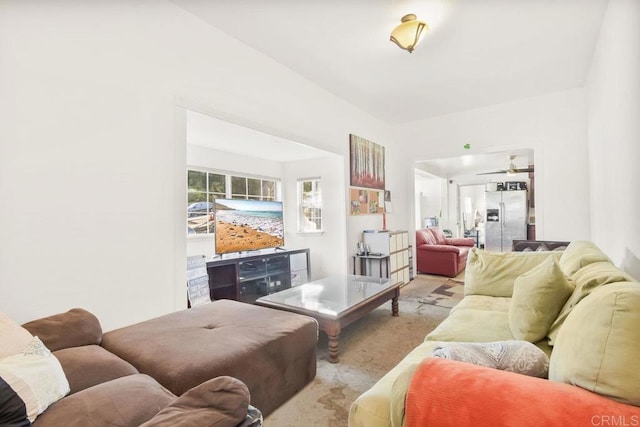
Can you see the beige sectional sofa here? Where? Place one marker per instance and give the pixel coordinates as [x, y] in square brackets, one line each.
[584, 344]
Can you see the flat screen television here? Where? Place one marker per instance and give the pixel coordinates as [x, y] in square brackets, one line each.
[247, 225]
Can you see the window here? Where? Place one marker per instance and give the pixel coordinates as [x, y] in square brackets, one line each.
[204, 187]
[243, 187]
[309, 205]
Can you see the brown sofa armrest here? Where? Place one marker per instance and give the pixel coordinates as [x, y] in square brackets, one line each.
[219, 402]
[125, 401]
[74, 328]
[462, 241]
[439, 248]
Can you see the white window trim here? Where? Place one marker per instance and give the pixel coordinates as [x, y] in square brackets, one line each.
[300, 215]
[228, 174]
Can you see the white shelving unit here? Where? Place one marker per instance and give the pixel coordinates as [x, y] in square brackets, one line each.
[396, 245]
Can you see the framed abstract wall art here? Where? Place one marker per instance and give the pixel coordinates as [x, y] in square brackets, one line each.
[366, 163]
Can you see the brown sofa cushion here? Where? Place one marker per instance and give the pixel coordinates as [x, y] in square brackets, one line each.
[219, 402]
[273, 352]
[124, 402]
[89, 365]
[74, 328]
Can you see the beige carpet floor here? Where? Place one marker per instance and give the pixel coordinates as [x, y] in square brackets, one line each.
[369, 348]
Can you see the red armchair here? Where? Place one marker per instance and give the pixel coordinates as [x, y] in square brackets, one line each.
[437, 254]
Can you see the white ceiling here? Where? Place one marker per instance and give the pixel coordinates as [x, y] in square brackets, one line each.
[224, 136]
[476, 53]
[465, 166]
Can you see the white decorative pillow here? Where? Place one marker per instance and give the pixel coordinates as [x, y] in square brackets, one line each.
[520, 357]
[13, 337]
[34, 377]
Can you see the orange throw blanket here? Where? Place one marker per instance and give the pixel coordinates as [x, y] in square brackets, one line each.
[450, 393]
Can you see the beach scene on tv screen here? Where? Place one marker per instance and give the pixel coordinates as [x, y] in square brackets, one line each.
[246, 225]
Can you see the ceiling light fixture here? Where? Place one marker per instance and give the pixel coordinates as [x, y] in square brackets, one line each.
[512, 166]
[408, 34]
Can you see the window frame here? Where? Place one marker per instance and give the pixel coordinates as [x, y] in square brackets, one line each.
[314, 205]
[274, 185]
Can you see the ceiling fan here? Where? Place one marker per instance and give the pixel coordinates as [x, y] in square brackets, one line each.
[511, 169]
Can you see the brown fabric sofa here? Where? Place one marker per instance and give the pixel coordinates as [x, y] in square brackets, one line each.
[204, 355]
[437, 254]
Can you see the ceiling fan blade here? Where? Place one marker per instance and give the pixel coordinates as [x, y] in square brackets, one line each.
[530, 169]
[492, 173]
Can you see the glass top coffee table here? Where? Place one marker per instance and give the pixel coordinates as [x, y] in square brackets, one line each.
[335, 302]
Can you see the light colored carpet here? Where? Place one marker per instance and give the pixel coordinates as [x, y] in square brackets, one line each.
[369, 348]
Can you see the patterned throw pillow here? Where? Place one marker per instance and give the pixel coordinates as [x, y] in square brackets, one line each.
[30, 381]
[520, 357]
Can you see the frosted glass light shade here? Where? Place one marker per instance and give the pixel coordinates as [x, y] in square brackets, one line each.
[408, 34]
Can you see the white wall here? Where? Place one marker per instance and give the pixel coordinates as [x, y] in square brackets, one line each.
[613, 89]
[92, 183]
[399, 181]
[429, 198]
[327, 250]
[554, 125]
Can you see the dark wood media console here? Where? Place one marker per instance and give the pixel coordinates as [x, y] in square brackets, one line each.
[246, 277]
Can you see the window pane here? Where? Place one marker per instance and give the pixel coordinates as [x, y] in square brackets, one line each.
[310, 200]
[268, 190]
[196, 181]
[204, 187]
[212, 200]
[238, 185]
[253, 186]
[213, 196]
[217, 183]
[196, 196]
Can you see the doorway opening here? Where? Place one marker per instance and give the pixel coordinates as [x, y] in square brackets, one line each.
[452, 193]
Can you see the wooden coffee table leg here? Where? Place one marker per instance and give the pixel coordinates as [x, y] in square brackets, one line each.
[333, 348]
[394, 303]
[333, 332]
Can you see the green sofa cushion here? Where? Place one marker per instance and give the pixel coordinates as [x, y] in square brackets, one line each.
[587, 279]
[473, 326]
[578, 254]
[598, 345]
[538, 296]
[493, 273]
[483, 302]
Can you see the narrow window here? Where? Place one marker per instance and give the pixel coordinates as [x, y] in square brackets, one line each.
[309, 206]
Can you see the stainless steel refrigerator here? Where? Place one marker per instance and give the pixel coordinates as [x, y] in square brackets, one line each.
[506, 219]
